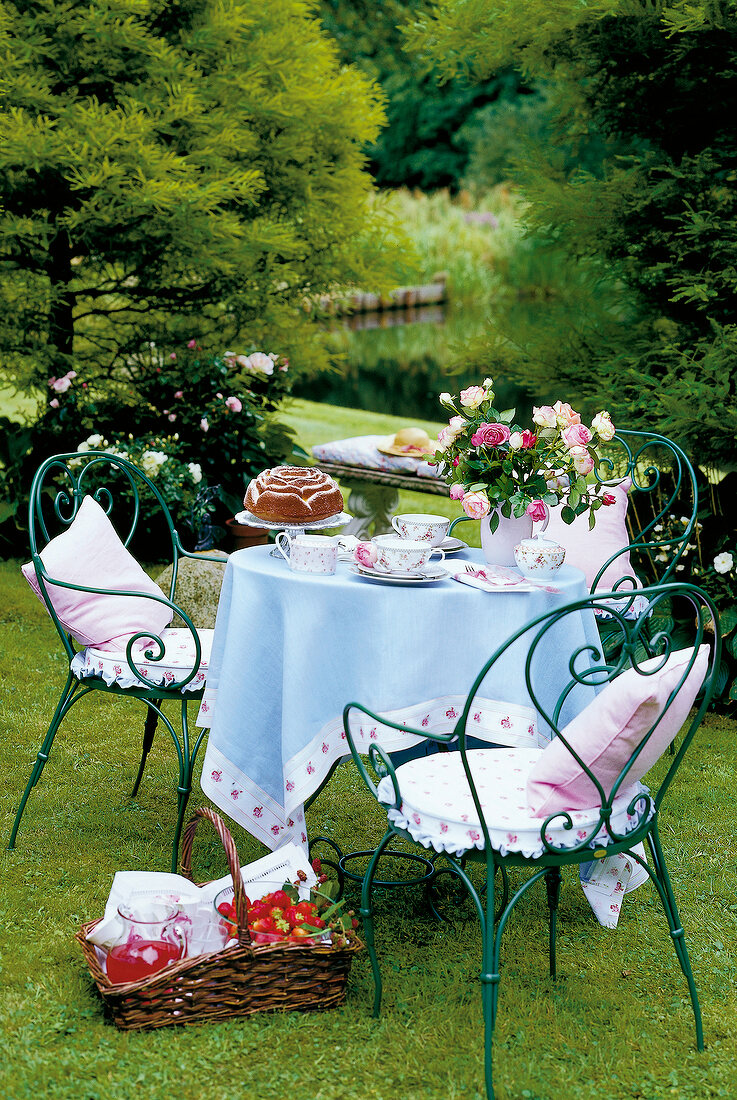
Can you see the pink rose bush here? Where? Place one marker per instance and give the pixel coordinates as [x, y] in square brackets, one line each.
[495, 466]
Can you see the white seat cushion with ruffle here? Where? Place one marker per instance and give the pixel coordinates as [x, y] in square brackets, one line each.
[437, 809]
[178, 659]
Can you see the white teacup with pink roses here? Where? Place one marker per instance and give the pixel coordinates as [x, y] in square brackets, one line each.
[421, 527]
[398, 555]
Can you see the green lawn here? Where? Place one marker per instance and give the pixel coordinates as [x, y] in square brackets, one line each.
[617, 1024]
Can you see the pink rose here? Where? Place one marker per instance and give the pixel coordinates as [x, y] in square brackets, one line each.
[607, 498]
[179, 395]
[60, 385]
[457, 492]
[456, 461]
[192, 344]
[172, 417]
[54, 402]
[472, 397]
[71, 374]
[365, 554]
[583, 463]
[456, 426]
[476, 505]
[565, 415]
[538, 510]
[173, 356]
[234, 404]
[544, 416]
[529, 439]
[444, 440]
[490, 435]
[577, 435]
[204, 424]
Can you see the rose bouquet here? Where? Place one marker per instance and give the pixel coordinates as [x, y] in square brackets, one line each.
[495, 466]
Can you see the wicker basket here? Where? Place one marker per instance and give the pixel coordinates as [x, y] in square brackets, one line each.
[236, 981]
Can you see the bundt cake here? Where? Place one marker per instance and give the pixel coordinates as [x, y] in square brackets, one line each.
[293, 494]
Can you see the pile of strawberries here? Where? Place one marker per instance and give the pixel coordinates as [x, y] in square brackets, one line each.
[280, 917]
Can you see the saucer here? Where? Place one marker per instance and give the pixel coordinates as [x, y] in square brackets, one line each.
[429, 575]
[452, 545]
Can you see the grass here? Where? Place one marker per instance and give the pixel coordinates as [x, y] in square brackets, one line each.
[616, 1025]
[317, 423]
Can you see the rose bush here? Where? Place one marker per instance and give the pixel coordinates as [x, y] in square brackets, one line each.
[217, 410]
[494, 465]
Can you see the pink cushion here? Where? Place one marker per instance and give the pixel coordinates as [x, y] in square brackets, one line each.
[90, 553]
[609, 730]
[588, 550]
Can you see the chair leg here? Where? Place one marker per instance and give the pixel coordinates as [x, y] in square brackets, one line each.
[149, 731]
[668, 901]
[187, 761]
[553, 879]
[366, 912]
[491, 975]
[67, 699]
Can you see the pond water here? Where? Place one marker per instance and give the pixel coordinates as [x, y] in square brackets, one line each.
[398, 361]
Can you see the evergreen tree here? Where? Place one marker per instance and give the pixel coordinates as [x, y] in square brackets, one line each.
[425, 143]
[645, 318]
[173, 168]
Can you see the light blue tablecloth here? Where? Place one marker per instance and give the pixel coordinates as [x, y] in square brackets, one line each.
[291, 649]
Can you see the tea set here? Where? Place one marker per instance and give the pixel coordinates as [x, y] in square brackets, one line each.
[413, 550]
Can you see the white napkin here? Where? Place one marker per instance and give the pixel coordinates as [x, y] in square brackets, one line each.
[494, 578]
[347, 547]
[606, 881]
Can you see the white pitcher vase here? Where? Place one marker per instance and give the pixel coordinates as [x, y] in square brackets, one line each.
[498, 546]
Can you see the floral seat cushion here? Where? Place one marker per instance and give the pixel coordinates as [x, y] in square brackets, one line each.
[177, 661]
[437, 809]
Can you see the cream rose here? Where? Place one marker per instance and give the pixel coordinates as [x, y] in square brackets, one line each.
[602, 425]
[473, 397]
[476, 505]
[544, 417]
[583, 463]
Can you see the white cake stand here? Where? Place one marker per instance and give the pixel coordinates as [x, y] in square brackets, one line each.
[338, 520]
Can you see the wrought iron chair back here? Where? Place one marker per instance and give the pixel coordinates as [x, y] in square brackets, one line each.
[623, 812]
[127, 496]
[663, 503]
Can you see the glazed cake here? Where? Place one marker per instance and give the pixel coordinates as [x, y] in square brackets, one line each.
[293, 494]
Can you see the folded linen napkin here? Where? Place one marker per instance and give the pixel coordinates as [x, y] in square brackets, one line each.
[495, 578]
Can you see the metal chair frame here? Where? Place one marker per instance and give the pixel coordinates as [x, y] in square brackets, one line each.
[587, 665]
[59, 486]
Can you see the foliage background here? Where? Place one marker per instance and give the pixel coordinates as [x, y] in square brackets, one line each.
[646, 320]
[176, 170]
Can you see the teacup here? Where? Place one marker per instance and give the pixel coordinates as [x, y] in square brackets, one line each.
[309, 553]
[419, 527]
[539, 558]
[398, 555]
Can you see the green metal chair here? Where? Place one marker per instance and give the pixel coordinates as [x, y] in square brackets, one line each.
[540, 810]
[153, 667]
